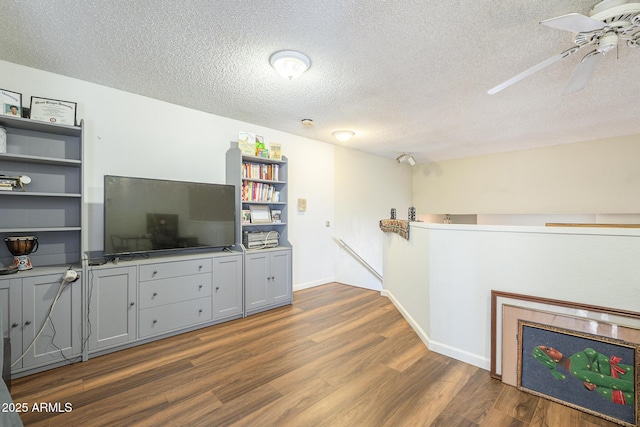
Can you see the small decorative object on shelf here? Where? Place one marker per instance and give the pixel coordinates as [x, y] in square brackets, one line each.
[21, 247]
[447, 219]
[53, 111]
[393, 213]
[275, 151]
[11, 103]
[412, 213]
[276, 215]
[8, 183]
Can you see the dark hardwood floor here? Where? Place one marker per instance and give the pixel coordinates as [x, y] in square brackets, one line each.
[339, 356]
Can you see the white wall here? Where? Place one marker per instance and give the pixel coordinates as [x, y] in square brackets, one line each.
[383, 184]
[593, 177]
[132, 135]
[448, 271]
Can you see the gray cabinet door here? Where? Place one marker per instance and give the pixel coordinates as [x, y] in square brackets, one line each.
[257, 280]
[112, 306]
[62, 334]
[227, 286]
[281, 282]
[11, 309]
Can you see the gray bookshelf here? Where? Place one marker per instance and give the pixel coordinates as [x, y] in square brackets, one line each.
[50, 208]
[267, 270]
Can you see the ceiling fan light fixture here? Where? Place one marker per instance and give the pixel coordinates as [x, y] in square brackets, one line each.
[607, 42]
[343, 135]
[290, 64]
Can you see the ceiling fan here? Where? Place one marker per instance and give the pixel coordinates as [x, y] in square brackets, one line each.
[609, 22]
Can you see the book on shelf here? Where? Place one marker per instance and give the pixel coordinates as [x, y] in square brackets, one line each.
[259, 192]
[247, 143]
[267, 172]
[261, 150]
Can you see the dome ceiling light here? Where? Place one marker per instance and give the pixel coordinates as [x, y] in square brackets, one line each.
[290, 63]
[343, 135]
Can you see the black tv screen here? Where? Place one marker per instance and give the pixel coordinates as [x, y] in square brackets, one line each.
[145, 215]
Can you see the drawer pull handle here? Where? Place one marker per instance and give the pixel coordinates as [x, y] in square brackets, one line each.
[28, 322]
[132, 303]
[217, 288]
[154, 321]
[199, 267]
[14, 325]
[154, 272]
[200, 311]
[155, 294]
[273, 277]
[199, 286]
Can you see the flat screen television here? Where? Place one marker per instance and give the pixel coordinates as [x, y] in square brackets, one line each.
[143, 215]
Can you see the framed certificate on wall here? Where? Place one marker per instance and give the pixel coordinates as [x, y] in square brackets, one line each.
[53, 111]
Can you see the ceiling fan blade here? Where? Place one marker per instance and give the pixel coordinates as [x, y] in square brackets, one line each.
[574, 22]
[534, 69]
[583, 72]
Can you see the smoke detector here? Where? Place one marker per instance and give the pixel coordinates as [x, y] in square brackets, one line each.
[307, 123]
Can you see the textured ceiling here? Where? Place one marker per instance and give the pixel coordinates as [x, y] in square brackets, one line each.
[406, 76]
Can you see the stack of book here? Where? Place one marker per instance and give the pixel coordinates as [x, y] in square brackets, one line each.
[7, 184]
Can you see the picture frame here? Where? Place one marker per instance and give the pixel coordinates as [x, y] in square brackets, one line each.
[588, 311]
[246, 216]
[53, 111]
[512, 314]
[260, 214]
[11, 103]
[275, 151]
[276, 215]
[593, 374]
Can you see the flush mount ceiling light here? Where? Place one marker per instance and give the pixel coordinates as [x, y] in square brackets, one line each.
[343, 135]
[406, 157]
[289, 63]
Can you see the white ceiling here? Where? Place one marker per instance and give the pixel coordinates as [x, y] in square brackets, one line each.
[405, 75]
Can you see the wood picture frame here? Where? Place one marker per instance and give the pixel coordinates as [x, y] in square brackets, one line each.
[260, 214]
[500, 298]
[11, 103]
[587, 372]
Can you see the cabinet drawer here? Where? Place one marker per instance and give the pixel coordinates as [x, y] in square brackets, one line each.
[154, 293]
[157, 320]
[174, 269]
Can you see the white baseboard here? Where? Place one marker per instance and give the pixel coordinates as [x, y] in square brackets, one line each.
[421, 333]
[313, 284]
[463, 356]
[455, 353]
